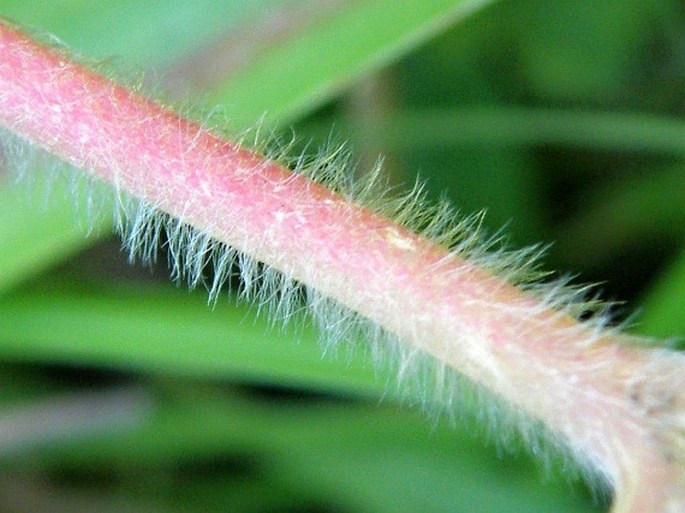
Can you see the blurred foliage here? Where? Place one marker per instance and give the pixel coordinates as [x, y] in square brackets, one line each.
[560, 118]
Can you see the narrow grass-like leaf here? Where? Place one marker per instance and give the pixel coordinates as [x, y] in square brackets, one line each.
[299, 73]
[506, 125]
[168, 332]
[362, 457]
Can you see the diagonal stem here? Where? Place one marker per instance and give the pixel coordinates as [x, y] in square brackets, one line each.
[618, 408]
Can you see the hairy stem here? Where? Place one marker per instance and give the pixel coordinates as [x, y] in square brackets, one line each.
[619, 408]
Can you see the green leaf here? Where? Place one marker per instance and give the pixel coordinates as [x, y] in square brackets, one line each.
[512, 126]
[144, 35]
[36, 237]
[166, 331]
[662, 312]
[299, 73]
[362, 457]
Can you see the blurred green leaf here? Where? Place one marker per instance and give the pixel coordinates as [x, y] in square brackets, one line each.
[35, 237]
[509, 125]
[357, 457]
[161, 330]
[662, 311]
[144, 35]
[561, 64]
[299, 73]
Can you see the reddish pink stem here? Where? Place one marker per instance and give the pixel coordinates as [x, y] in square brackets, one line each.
[619, 408]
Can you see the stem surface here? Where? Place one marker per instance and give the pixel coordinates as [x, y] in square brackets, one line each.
[621, 409]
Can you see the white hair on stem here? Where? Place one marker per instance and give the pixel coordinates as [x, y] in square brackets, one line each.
[198, 259]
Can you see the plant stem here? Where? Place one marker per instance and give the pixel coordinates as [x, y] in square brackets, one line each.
[621, 409]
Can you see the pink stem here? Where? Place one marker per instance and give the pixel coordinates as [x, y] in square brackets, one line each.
[621, 409]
